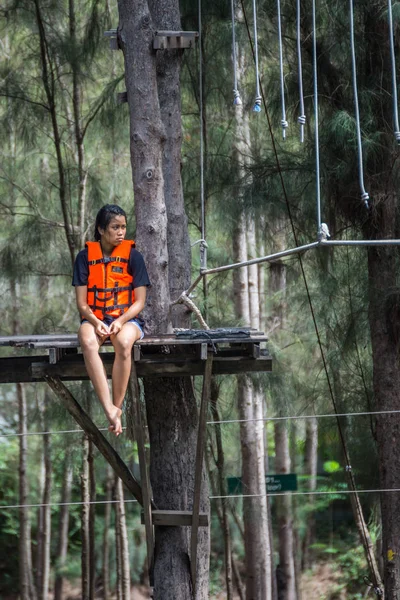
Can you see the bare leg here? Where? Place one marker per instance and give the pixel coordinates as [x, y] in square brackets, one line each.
[90, 344]
[123, 343]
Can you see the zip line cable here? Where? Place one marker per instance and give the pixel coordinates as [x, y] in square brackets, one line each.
[394, 77]
[237, 101]
[224, 422]
[257, 100]
[316, 493]
[233, 496]
[348, 465]
[316, 115]
[364, 194]
[284, 123]
[302, 117]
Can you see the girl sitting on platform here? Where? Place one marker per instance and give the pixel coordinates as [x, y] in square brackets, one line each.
[110, 280]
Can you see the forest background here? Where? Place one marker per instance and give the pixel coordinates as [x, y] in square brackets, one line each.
[65, 152]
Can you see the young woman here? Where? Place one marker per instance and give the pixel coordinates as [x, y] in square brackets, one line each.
[110, 280]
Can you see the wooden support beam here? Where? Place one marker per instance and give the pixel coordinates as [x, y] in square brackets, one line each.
[55, 354]
[167, 40]
[144, 472]
[102, 444]
[122, 97]
[136, 353]
[176, 518]
[74, 368]
[201, 439]
[202, 351]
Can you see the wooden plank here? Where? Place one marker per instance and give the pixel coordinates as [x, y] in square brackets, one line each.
[144, 473]
[169, 33]
[176, 518]
[71, 368]
[201, 439]
[102, 444]
[156, 340]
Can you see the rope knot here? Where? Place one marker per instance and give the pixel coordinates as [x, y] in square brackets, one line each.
[302, 119]
[397, 136]
[237, 101]
[349, 468]
[323, 232]
[257, 104]
[365, 198]
[284, 124]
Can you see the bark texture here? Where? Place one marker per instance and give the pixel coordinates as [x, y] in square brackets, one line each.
[310, 469]
[62, 546]
[287, 587]
[383, 317]
[85, 492]
[122, 534]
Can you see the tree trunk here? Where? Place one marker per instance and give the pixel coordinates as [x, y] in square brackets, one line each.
[250, 402]
[121, 532]
[118, 556]
[223, 516]
[310, 469]
[152, 128]
[27, 588]
[286, 581]
[92, 519]
[85, 548]
[383, 319]
[166, 16]
[106, 543]
[62, 546]
[45, 510]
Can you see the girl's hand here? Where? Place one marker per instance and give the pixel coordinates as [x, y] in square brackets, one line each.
[115, 327]
[102, 331]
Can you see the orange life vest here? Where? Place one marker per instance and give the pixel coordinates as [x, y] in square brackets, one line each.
[110, 286]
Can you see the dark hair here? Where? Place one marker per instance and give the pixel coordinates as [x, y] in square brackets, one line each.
[104, 216]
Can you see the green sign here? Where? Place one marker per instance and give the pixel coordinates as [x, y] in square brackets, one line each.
[274, 483]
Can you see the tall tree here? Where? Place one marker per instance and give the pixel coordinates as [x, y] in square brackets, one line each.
[153, 128]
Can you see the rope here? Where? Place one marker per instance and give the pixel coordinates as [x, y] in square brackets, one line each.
[302, 117]
[257, 100]
[203, 245]
[237, 101]
[284, 123]
[316, 112]
[226, 421]
[184, 299]
[364, 194]
[394, 77]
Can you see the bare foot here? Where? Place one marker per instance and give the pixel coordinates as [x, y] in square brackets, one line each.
[115, 421]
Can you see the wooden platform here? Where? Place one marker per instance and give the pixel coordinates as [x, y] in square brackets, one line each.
[32, 357]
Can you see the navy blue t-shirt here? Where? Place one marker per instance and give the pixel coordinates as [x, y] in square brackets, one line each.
[136, 268]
